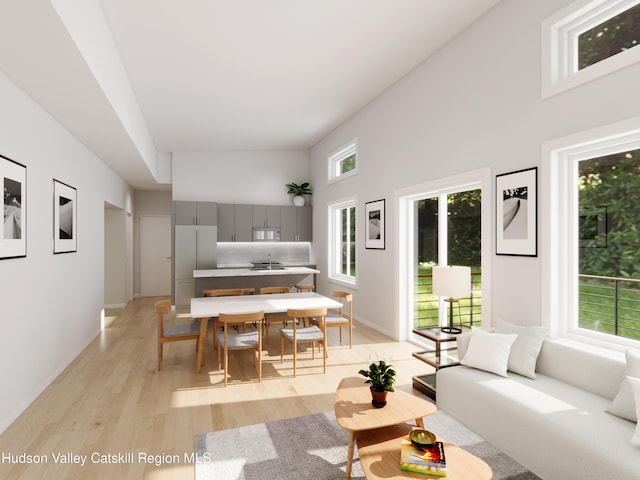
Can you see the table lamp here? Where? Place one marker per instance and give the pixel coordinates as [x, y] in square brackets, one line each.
[452, 282]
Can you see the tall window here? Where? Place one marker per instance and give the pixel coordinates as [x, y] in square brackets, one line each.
[342, 241]
[445, 222]
[594, 238]
[448, 227]
[343, 162]
[589, 39]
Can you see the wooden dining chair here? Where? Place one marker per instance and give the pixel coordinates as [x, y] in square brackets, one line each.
[301, 287]
[274, 317]
[222, 292]
[342, 317]
[173, 333]
[228, 341]
[300, 334]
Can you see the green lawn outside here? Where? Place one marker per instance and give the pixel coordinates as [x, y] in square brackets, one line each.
[426, 304]
[597, 306]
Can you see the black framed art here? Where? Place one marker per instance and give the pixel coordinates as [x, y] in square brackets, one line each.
[374, 227]
[64, 218]
[13, 238]
[517, 213]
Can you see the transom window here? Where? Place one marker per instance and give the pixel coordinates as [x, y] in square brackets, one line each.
[587, 40]
[343, 163]
[342, 241]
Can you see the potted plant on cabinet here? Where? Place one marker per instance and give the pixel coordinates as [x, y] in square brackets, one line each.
[381, 377]
[298, 191]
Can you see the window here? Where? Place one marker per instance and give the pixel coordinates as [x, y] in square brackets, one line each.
[448, 226]
[343, 163]
[587, 40]
[443, 222]
[594, 262]
[342, 241]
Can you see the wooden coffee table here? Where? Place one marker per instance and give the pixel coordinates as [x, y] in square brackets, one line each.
[379, 452]
[354, 412]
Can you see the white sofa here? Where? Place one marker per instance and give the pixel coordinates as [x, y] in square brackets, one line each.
[556, 424]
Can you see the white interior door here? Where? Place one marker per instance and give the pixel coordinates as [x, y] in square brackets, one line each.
[155, 255]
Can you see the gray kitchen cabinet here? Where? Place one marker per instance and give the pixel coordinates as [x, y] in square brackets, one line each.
[234, 222]
[296, 224]
[266, 215]
[195, 213]
[195, 249]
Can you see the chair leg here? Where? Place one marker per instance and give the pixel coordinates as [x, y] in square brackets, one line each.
[281, 348]
[160, 352]
[226, 364]
[295, 351]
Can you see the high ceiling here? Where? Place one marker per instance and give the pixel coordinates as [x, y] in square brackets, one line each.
[137, 79]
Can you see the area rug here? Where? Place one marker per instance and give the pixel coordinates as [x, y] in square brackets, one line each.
[315, 446]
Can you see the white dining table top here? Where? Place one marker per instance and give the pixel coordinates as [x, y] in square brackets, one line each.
[273, 303]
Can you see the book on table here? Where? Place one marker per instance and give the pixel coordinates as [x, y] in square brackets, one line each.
[429, 460]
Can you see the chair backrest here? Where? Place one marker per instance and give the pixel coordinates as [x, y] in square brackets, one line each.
[223, 292]
[345, 298]
[240, 318]
[319, 313]
[162, 307]
[268, 290]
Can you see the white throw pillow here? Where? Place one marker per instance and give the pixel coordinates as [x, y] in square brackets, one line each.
[526, 348]
[623, 405]
[635, 387]
[489, 351]
[462, 342]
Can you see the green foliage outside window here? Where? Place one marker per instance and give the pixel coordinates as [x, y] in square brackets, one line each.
[609, 38]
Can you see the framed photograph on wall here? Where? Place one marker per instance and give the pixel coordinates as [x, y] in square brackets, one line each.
[13, 237]
[517, 213]
[374, 227]
[64, 218]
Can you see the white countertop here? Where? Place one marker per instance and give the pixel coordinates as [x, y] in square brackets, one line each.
[246, 272]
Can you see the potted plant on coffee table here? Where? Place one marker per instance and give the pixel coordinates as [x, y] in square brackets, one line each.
[380, 376]
[298, 192]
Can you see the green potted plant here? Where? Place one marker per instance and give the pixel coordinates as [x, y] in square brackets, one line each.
[380, 377]
[298, 191]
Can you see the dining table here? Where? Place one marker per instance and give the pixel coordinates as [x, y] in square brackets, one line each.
[204, 308]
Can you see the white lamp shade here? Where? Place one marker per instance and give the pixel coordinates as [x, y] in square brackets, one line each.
[453, 281]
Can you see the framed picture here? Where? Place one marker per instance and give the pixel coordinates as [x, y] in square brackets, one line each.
[64, 218]
[374, 227]
[517, 213]
[13, 237]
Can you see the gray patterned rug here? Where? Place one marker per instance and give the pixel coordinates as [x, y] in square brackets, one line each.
[315, 447]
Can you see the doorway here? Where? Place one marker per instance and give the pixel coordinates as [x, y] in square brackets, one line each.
[155, 255]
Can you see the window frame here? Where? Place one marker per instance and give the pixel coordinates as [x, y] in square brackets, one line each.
[560, 43]
[334, 159]
[334, 231]
[559, 203]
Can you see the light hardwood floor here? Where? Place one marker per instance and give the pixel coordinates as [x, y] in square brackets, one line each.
[112, 402]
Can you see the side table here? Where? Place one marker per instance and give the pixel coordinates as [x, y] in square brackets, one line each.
[437, 357]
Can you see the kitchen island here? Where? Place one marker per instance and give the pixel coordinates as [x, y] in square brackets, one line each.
[252, 277]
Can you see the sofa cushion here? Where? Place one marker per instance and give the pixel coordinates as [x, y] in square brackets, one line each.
[582, 366]
[525, 350]
[623, 405]
[488, 351]
[635, 386]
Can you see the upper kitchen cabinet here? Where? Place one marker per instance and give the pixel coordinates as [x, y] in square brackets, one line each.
[295, 224]
[234, 222]
[266, 215]
[195, 213]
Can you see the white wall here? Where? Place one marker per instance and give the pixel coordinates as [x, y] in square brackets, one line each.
[255, 177]
[475, 103]
[51, 304]
[115, 257]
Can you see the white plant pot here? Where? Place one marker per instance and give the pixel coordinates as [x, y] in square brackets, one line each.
[298, 201]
